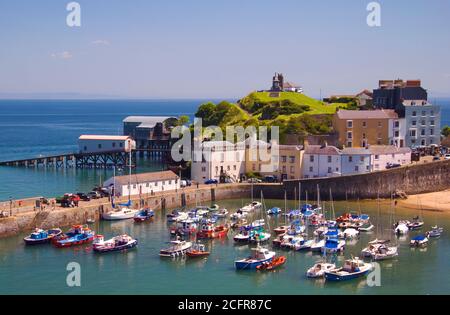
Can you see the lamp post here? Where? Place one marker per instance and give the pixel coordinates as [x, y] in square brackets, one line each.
[10, 206]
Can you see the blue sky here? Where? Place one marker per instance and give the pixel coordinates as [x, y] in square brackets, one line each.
[219, 49]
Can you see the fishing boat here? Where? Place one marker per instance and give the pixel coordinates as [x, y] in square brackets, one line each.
[296, 229]
[384, 252]
[117, 243]
[177, 248]
[197, 251]
[76, 236]
[122, 214]
[274, 211]
[373, 247]
[333, 245]
[419, 241]
[353, 268]
[144, 215]
[415, 224]
[319, 269]
[259, 235]
[303, 244]
[435, 232]
[40, 236]
[259, 255]
[242, 237]
[184, 227]
[209, 230]
[275, 263]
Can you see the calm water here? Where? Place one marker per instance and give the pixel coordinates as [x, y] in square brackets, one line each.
[42, 269]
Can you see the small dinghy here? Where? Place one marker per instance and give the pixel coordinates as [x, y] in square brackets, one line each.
[197, 251]
[274, 211]
[435, 232]
[117, 243]
[319, 269]
[401, 228]
[40, 236]
[144, 215]
[177, 248]
[275, 263]
[349, 234]
[259, 255]
[415, 224]
[384, 252]
[419, 241]
[366, 227]
[353, 268]
[281, 229]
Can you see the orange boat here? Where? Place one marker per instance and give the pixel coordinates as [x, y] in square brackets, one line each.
[344, 218]
[208, 230]
[198, 250]
[276, 262]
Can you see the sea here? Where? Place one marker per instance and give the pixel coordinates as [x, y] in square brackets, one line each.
[29, 128]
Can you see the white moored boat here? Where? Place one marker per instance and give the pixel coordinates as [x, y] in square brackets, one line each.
[319, 269]
[122, 214]
[177, 248]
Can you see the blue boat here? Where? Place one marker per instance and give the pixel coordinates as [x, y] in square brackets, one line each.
[352, 269]
[77, 236]
[40, 236]
[258, 257]
[144, 215]
[274, 211]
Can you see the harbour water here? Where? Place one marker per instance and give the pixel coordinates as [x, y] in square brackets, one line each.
[42, 269]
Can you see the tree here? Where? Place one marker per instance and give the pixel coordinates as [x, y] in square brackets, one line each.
[446, 131]
[183, 120]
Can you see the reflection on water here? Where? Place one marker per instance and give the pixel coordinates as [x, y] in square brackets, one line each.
[141, 270]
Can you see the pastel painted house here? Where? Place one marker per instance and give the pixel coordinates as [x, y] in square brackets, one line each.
[144, 183]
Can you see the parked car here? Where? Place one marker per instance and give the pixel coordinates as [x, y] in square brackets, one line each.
[94, 195]
[436, 158]
[83, 196]
[254, 180]
[69, 200]
[211, 181]
[392, 165]
[447, 157]
[270, 179]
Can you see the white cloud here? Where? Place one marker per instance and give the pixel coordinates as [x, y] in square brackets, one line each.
[62, 55]
[101, 42]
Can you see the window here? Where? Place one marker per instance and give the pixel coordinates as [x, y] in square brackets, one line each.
[364, 136]
[432, 113]
[329, 170]
[356, 168]
[361, 158]
[424, 143]
[367, 168]
[380, 124]
[164, 182]
[113, 144]
[134, 186]
[121, 144]
[424, 113]
[422, 132]
[349, 135]
[253, 167]
[85, 148]
[431, 132]
[412, 133]
[228, 168]
[283, 158]
[377, 157]
[349, 144]
[292, 169]
[364, 124]
[203, 169]
[99, 145]
[423, 122]
[284, 168]
[156, 184]
[329, 159]
[311, 158]
[397, 134]
[147, 184]
[350, 158]
[349, 123]
[414, 114]
[292, 159]
[234, 167]
[170, 182]
[396, 124]
[432, 122]
[311, 169]
[413, 123]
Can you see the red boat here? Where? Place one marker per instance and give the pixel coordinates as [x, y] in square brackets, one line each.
[78, 235]
[208, 230]
[275, 263]
[197, 251]
[344, 218]
[281, 229]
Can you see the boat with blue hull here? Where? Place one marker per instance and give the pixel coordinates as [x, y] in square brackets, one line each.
[76, 236]
[352, 269]
[144, 215]
[40, 236]
[258, 257]
[118, 243]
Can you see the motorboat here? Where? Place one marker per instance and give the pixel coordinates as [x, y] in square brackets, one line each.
[176, 248]
[319, 269]
[40, 236]
[303, 244]
[349, 233]
[144, 215]
[275, 263]
[384, 252]
[366, 227]
[255, 205]
[415, 224]
[274, 211]
[353, 268]
[259, 255]
[419, 241]
[317, 245]
[184, 227]
[435, 232]
[333, 245]
[197, 251]
[117, 243]
[401, 228]
[78, 235]
[210, 231]
[258, 223]
[122, 214]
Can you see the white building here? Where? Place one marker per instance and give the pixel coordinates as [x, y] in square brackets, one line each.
[145, 183]
[382, 155]
[321, 161]
[216, 159]
[102, 143]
